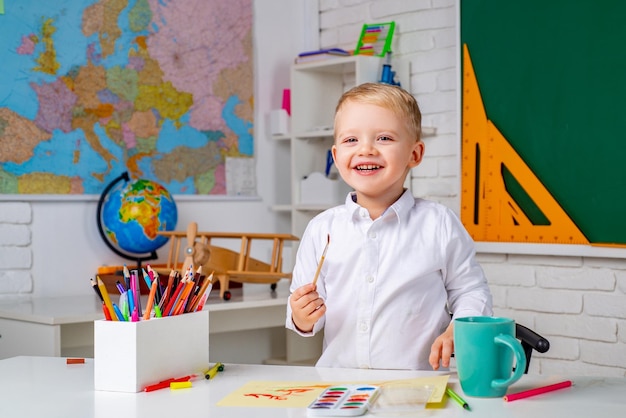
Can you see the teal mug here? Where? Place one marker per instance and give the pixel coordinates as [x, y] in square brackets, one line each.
[484, 349]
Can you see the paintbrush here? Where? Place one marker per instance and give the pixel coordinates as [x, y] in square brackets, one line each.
[319, 266]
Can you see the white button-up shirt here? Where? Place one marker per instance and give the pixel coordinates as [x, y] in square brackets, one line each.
[389, 284]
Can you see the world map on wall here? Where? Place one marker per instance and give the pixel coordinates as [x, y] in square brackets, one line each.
[162, 89]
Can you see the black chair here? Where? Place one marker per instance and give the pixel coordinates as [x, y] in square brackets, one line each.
[530, 341]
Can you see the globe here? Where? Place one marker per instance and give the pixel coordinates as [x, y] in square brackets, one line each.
[132, 212]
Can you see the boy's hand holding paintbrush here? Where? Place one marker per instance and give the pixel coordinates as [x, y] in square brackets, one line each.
[306, 305]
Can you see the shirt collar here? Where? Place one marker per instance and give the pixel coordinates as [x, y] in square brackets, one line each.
[400, 207]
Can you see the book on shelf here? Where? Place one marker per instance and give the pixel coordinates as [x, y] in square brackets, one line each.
[321, 54]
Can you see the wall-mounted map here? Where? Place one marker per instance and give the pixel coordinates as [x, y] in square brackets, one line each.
[89, 89]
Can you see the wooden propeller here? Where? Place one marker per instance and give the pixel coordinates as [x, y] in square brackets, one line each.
[192, 231]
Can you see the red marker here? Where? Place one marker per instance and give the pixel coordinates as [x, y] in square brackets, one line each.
[105, 311]
[166, 383]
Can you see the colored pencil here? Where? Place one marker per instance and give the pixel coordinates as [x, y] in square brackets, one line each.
[126, 276]
[105, 298]
[96, 289]
[206, 287]
[174, 298]
[452, 394]
[184, 294]
[168, 290]
[537, 391]
[151, 297]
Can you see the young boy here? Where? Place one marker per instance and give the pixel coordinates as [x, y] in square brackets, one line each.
[396, 267]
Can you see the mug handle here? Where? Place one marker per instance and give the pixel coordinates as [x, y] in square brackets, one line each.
[520, 359]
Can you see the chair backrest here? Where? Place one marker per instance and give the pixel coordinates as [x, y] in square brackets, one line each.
[530, 341]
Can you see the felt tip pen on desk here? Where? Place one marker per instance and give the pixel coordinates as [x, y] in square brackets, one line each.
[180, 385]
[167, 382]
[210, 374]
[452, 394]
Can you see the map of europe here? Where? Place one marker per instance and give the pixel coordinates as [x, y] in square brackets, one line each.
[162, 89]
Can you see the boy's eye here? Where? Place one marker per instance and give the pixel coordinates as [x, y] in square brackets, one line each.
[351, 139]
[385, 138]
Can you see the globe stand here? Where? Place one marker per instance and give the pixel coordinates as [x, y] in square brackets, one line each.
[138, 259]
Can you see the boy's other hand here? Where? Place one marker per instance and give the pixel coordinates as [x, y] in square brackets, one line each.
[442, 349]
[307, 307]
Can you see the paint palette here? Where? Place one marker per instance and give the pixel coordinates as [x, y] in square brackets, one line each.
[343, 401]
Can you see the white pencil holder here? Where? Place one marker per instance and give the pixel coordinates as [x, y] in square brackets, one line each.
[128, 356]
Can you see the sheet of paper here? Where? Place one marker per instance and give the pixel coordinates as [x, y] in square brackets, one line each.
[240, 176]
[299, 394]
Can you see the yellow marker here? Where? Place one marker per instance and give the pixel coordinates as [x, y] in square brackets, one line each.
[210, 374]
[180, 385]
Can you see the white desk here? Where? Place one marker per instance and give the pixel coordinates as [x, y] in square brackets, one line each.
[249, 328]
[48, 387]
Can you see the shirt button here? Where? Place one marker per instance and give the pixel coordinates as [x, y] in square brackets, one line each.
[370, 279]
[372, 235]
[363, 213]
[363, 326]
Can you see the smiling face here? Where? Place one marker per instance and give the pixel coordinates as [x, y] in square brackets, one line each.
[374, 150]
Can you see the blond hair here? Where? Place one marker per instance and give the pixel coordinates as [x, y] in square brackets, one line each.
[389, 97]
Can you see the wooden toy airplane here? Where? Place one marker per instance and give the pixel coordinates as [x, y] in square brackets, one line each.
[225, 264]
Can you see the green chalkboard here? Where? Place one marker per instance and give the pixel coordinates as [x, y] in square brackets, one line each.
[552, 75]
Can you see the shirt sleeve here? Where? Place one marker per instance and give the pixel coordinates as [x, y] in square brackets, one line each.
[465, 281]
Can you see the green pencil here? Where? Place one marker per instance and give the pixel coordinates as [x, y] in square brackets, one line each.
[457, 398]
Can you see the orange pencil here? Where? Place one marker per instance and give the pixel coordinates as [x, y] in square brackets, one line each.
[180, 304]
[153, 289]
[192, 297]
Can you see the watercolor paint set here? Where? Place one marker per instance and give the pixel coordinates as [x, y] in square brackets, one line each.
[343, 401]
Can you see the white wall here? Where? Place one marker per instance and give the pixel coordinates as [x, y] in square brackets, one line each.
[577, 302]
[51, 248]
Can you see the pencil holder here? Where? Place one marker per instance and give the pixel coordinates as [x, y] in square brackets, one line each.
[128, 356]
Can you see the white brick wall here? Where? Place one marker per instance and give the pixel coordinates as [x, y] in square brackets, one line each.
[15, 248]
[578, 303]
